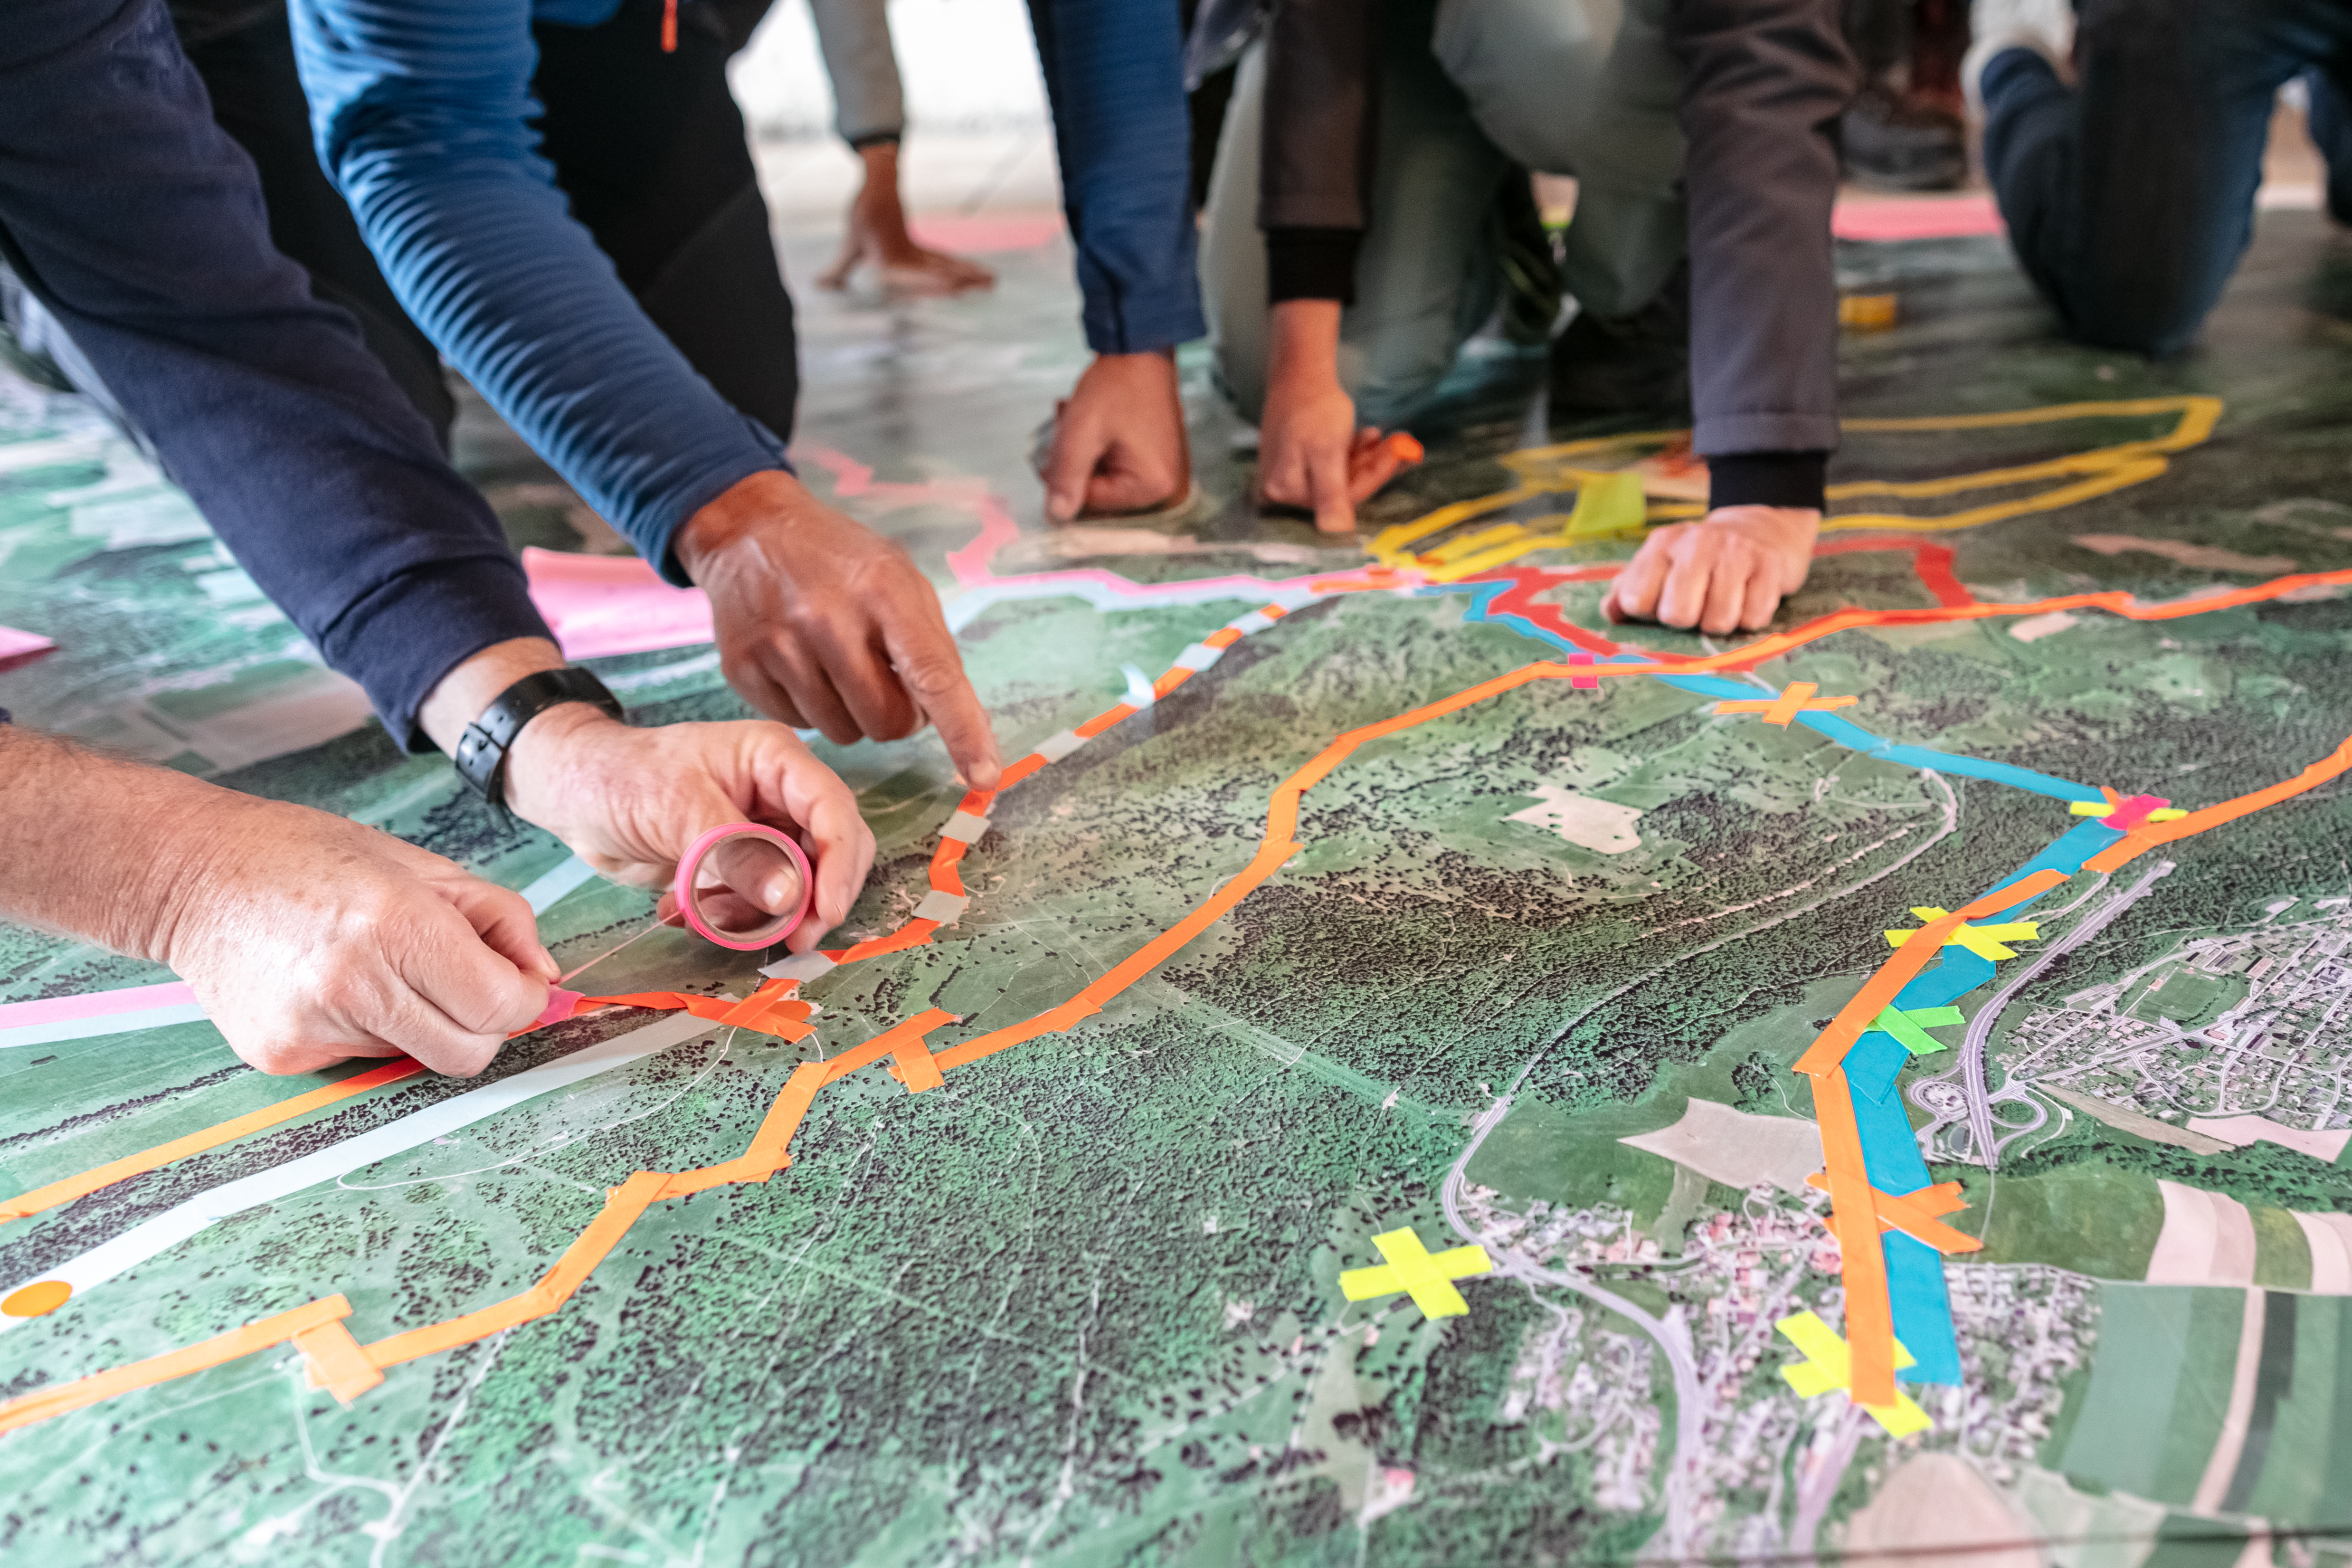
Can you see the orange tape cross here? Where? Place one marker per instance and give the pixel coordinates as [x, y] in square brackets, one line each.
[1797, 698]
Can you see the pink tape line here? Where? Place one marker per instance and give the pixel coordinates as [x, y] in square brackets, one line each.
[682, 887]
[97, 1003]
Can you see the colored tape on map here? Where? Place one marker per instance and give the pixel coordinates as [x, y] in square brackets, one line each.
[1961, 972]
[1059, 744]
[1876, 1060]
[1199, 656]
[2066, 853]
[95, 1013]
[801, 966]
[965, 828]
[1890, 1150]
[1922, 1310]
[945, 908]
[542, 893]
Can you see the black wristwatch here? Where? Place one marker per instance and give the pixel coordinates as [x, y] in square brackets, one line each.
[482, 750]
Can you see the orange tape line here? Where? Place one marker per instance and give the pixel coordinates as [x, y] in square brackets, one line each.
[333, 1361]
[1914, 1213]
[42, 1404]
[1869, 1313]
[229, 1132]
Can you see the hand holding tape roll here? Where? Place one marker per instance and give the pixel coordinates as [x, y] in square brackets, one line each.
[742, 885]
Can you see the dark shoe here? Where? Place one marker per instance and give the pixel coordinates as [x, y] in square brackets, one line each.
[1628, 365]
[1903, 144]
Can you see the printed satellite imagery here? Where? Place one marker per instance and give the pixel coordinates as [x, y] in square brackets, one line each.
[1403, 1072]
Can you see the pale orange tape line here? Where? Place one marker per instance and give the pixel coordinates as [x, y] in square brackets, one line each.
[228, 1131]
[333, 1361]
[914, 933]
[1869, 1311]
[44, 1403]
[1911, 1214]
[622, 1205]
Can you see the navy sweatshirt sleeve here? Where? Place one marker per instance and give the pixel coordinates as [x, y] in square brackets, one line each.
[1115, 72]
[140, 223]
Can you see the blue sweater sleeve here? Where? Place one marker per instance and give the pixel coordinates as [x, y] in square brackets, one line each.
[420, 109]
[140, 223]
[1115, 73]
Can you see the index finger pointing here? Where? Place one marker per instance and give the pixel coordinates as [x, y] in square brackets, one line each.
[926, 659]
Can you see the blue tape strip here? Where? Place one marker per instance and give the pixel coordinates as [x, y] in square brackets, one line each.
[1874, 1064]
[1889, 1150]
[1923, 1308]
[1961, 972]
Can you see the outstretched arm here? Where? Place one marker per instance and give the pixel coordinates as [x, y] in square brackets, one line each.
[1765, 82]
[140, 223]
[1114, 71]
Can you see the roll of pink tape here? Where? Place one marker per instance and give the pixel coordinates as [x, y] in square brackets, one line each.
[765, 935]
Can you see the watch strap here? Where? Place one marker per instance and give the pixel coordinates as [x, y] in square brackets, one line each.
[481, 756]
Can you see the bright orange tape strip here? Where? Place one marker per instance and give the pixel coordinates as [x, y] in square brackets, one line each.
[42, 1404]
[229, 1132]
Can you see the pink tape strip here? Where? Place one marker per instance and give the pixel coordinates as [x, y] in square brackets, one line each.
[97, 1003]
[599, 604]
[682, 887]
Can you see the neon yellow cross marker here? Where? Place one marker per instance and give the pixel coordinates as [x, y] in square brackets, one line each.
[1829, 1365]
[1985, 942]
[1413, 1268]
[1912, 1028]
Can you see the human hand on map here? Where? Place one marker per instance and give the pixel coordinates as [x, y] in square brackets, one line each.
[631, 801]
[1727, 572]
[1118, 445]
[1310, 453]
[824, 624]
[306, 938]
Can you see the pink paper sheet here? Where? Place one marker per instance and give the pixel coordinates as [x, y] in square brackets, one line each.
[97, 1003]
[612, 604]
[986, 234]
[1916, 218]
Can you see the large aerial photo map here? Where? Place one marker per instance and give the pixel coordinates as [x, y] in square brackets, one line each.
[1404, 1071]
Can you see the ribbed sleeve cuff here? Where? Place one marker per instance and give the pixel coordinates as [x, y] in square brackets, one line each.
[400, 640]
[654, 528]
[1311, 264]
[1768, 479]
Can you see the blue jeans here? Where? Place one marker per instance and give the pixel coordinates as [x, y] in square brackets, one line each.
[2131, 197]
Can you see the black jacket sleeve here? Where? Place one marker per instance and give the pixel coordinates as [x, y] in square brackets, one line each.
[140, 223]
[1765, 82]
[1315, 169]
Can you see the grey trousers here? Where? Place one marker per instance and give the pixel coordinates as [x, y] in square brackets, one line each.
[869, 104]
[1468, 90]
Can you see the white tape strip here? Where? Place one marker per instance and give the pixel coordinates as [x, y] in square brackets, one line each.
[542, 894]
[965, 828]
[944, 908]
[805, 966]
[1060, 744]
[148, 1239]
[104, 1024]
[1198, 657]
[1256, 621]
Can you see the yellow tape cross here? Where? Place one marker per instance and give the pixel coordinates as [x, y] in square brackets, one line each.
[1984, 941]
[1428, 1277]
[1829, 1365]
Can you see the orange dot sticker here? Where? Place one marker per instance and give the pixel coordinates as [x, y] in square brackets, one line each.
[41, 1297]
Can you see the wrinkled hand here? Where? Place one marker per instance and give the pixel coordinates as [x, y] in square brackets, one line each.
[1311, 454]
[1120, 447]
[630, 802]
[1729, 571]
[824, 624]
[308, 938]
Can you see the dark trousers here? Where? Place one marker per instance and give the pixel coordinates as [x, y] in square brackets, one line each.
[2131, 197]
[649, 147]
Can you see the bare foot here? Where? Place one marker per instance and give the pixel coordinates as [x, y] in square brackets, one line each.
[877, 237]
[1726, 573]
